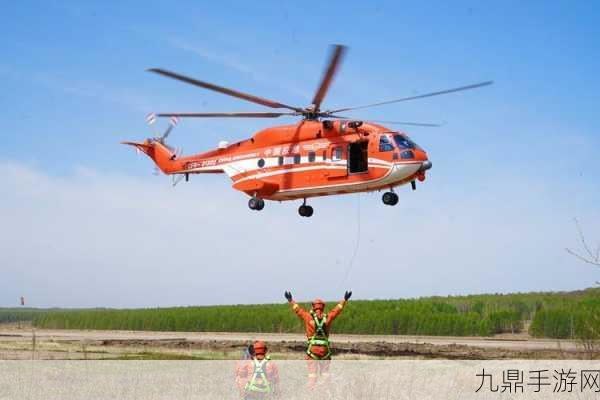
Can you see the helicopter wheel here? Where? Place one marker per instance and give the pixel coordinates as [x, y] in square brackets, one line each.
[390, 198]
[261, 204]
[305, 211]
[256, 204]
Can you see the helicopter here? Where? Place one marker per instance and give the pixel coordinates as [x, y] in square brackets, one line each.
[324, 154]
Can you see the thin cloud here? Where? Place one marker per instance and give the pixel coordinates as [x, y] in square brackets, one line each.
[232, 61]
[87, 89]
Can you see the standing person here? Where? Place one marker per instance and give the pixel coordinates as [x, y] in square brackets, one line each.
[258, 377]
[317, 325]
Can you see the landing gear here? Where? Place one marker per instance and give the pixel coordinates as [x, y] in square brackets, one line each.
[305, 210]
[256, 204]
[390, 198]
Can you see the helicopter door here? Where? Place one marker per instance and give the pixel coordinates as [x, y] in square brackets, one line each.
[358, 157]
[338, 159]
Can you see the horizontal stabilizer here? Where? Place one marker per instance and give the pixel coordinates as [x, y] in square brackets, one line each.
[141, 146]
[256, 186]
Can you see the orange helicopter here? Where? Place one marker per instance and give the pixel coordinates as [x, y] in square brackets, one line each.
[322, 155]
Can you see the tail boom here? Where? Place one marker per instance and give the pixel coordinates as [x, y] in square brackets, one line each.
[166, 159]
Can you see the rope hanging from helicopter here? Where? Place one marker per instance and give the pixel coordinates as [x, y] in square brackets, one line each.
[350, 266]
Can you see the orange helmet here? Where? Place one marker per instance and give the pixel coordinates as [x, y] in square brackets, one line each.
[260, 348]
[318, 304]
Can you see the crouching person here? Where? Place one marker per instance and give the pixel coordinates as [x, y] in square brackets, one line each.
[258, 377]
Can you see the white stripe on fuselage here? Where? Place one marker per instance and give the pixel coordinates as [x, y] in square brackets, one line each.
[396, 172]
[234, 168]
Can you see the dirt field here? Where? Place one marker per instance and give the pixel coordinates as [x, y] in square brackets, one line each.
[26, 342]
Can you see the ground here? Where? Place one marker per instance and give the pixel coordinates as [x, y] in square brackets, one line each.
[27, 342]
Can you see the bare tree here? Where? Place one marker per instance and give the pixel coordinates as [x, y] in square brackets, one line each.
[588, 255]
[588, 333]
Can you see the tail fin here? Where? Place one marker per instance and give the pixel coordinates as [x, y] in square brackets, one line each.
[162, 156]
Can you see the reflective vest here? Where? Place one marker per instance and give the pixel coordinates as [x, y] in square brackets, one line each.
[320, 338]
[259, 382]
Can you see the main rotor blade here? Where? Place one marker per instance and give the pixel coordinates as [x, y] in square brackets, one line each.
[458, 89]
[220, 89]
[424, 124]
[224, 115]
[334, 61]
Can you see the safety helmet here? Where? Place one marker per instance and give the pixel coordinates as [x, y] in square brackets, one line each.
[260, 348]
[318, 304]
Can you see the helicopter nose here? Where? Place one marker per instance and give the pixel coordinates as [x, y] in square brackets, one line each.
[420, 155]
[425, 166]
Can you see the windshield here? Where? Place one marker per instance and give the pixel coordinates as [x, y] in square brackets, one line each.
[403, 142]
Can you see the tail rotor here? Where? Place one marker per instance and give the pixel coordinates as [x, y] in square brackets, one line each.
[162, 139]
[151, 119]
[172, 123]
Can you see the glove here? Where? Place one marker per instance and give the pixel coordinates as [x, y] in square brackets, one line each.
[347, 295]
[288, 296]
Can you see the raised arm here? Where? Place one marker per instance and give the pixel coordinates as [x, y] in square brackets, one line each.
[300, 312]
[331, 315]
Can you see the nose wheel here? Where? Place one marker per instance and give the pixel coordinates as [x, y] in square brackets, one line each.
[256, 204]
[305, 210]
[390, 198]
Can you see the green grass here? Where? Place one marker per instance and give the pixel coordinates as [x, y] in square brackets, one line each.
[553, 315]
[9, 315]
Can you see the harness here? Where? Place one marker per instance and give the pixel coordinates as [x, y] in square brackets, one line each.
[320, 338]
[259, 382]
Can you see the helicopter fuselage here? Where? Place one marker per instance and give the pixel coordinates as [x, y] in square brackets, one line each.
[308, 159]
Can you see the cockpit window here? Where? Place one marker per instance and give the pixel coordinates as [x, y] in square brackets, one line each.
[385, 144]
[404, 142]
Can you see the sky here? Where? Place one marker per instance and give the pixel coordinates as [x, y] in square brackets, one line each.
[87, 224]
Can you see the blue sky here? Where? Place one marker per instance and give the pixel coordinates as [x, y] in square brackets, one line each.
[514, 163]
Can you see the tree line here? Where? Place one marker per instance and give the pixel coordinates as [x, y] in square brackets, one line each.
[552, 315]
